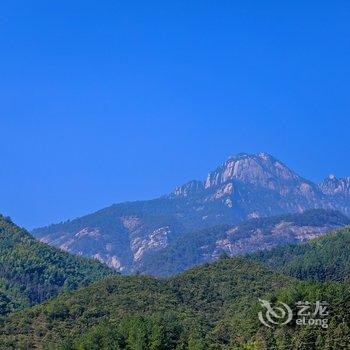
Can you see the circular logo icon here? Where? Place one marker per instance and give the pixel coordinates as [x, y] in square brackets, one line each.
[280, 314]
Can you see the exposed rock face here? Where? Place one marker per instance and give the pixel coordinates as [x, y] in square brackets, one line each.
[156, 240]
[334, 186]
[261, 169]
[189, 189]
[244, 187]
[260, 239]
[250, 236]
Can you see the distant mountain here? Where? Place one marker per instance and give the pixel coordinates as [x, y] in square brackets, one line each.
[324, 259]
[208, 245]
[31, 272]
[334, 186]
[245, 186]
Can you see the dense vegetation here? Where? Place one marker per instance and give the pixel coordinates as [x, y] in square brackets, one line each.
[325, 258]
[31, 272]
[237, 329]
[192, 303]
[212, 306]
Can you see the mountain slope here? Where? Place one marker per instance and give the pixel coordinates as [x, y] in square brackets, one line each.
[254, 235]
[197, 299]
[214, 306]
[325, 258]
[31, 271]
[245, 186]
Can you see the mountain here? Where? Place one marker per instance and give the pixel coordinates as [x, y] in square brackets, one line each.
[326, 258]
[31, 272]
[245, 186]
[208, 245]
[213, 306]
[334, 186]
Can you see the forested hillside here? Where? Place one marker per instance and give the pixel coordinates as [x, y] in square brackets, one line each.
[324, 259]
[31, 272]
[213, 306]
[143, 310]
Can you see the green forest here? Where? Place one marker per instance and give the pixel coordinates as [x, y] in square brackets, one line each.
[84, 305]
[31, 271]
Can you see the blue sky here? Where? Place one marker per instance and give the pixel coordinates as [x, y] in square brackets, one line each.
[107, 101]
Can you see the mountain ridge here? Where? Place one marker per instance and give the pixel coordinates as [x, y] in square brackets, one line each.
[192, 297]
[31, 272]
[315, 259]
[254, 235]
[245, 186]
[212, 306]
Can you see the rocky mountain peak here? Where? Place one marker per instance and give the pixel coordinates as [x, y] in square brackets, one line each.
[245, 186]
[190, 188]
[332, 185]
[259, 169]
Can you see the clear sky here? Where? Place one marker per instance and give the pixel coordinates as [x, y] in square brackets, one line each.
[107, 101]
